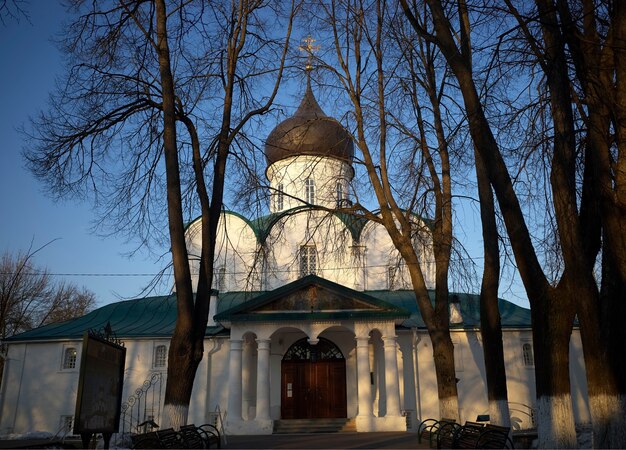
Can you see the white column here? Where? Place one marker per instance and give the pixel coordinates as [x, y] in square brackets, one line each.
[363, 374]
[263, 380]
[391, 376]
[234, 381]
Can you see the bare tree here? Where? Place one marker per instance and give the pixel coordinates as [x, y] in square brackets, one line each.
[155, 94]
[13, 10]
[393, 98]
[553, 305]
[30, 298]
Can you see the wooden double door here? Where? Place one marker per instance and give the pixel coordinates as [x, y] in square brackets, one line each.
[313, 389]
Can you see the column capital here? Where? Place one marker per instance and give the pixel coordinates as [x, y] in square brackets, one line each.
[236, 344]
[362, 340]
[389, 340]
[263, 344]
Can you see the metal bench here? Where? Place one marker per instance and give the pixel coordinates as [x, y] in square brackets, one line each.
[189, 436]
[428, 429]
[495, 436]
[474, 435]
[468, 435]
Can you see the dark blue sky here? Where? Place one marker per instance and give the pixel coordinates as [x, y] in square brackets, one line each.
[30, 63]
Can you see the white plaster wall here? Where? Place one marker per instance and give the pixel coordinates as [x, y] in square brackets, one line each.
[578, 380]
[360, 265]
[324, 231]
[357, 265]
[292, 172]
[381, 253]
[213, 385]
[36, 392]
[471, 373]
[236, 250]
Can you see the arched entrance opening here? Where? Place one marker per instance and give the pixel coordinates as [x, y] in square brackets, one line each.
[313, 381]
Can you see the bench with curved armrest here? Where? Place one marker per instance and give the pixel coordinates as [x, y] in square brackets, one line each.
[447, 434]
[212, 435]
[428, 429]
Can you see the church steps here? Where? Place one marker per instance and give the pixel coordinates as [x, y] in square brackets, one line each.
[299, 426]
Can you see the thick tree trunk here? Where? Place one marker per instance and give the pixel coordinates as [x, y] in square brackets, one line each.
[490, 326]
[181, 362]
[613, 336]
[552, 375]
[579, 284]
[443, 353]
[552, 326]
[437, 323]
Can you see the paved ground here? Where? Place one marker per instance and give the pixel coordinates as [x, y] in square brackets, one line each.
[326, 441]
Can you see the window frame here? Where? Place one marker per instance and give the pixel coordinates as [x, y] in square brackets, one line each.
[220, 278]
[65, 367]
[339, 193]
[528, 354]
[155, 355]
[308, 255]
[392, 277]
[309, 190]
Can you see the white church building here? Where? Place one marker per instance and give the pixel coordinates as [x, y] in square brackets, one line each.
[312, 317]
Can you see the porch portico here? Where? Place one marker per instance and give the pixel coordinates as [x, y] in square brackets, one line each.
[313, 349]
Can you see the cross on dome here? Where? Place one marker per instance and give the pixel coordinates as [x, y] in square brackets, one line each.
[309, 48]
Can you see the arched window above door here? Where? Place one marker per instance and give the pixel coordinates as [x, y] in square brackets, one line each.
[302, 350]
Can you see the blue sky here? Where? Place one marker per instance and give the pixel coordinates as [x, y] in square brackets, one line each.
[28, 216]
[30, 63]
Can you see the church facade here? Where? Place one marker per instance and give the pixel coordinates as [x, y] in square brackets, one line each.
[311, 317]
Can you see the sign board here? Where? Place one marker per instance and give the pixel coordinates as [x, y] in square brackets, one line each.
[100, 386]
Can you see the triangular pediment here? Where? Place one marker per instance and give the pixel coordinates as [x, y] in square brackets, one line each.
[310, 298]
[316, 298]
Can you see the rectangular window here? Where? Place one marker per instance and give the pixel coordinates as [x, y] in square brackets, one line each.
[160, 356]
[308, 260]
[309, 190]
[70, 354]
[220, 279]
[458, 355]
[527, 354]
[339, 195]
[391, 277]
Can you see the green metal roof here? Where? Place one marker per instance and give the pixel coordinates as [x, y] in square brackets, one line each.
[154, 317]
[511, 315]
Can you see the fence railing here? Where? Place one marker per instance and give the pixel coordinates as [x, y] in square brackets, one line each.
[142, 411]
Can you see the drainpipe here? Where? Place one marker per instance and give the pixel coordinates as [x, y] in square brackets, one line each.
[418, 398]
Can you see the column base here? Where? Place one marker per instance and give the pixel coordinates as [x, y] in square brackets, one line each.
[387, 423]
[247, 427]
